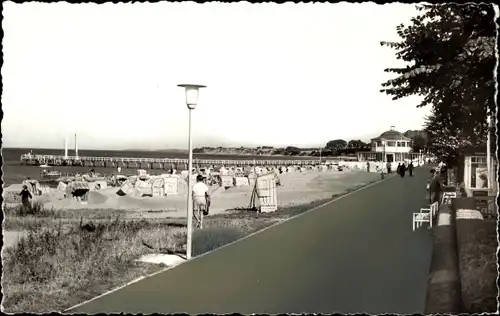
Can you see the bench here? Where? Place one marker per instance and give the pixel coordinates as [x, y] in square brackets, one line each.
[424, 216]
[434, 208]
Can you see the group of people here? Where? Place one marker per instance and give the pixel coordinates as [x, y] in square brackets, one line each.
[402, 168]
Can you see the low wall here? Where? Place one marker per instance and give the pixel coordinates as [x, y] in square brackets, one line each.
[455, 236]
[375, 166]
[443, 289]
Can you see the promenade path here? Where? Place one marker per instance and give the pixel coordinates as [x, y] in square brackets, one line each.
[356, 254]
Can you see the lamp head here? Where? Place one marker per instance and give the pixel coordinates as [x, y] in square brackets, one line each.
[191, 94]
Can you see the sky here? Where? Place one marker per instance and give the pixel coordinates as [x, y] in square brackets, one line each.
[276, 74]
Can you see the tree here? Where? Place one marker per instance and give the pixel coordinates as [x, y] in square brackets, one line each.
[450, 49]
[292, 151]
[279, 151]
[419, 139]
[414, 133]
[450, 142]
[419, 143]
[356, 144]
[336, 144]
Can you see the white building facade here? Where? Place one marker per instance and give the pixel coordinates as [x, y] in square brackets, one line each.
[390, 146]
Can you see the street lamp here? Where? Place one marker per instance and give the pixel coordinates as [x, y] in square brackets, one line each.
[488, 149]
[383, 157]
[191, 102]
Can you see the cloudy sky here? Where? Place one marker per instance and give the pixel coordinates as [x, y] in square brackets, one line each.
[287, 74]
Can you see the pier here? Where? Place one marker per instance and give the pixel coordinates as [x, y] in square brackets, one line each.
[152, 163]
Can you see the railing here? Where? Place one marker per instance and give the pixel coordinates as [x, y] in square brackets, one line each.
[247, 161]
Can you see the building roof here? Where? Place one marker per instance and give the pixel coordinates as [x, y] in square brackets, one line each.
[391, 135]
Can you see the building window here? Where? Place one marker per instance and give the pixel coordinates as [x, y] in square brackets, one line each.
[401, 144]
[391, 144]
[379, 143]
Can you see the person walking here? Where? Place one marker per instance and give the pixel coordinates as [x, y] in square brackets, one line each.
[402, 170]
[435, 187]
[201, 200]
[410, 169]
[398, 169]
[368, 166]
[26, 200]
[388, 167]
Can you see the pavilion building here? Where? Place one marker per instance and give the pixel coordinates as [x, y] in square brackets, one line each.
[390, 146]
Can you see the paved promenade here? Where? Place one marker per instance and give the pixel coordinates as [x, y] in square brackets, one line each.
[356, 254]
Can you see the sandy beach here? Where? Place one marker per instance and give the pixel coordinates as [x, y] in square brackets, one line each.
[296, 188]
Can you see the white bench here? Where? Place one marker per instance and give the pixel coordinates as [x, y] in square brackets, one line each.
[424, 216]
[447, 196]
[434, 209]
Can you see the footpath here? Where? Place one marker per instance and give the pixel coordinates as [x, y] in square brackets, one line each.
[357, 254]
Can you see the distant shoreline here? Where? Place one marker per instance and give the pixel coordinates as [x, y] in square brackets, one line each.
[254, 155]
[14, 154]
[179, 151]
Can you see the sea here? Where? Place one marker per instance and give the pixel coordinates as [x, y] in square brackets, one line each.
[13, 172]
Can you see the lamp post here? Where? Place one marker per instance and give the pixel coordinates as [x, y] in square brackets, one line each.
[401, 145]
[191, 91]
[488, 149]
[383, 157]
[420, 162]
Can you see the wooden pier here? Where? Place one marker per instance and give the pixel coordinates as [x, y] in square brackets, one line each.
[152, 163]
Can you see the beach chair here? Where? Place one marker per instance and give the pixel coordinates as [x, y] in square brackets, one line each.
[447, 196]
[424, 216]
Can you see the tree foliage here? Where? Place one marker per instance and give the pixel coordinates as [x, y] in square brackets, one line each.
[419, 139]
[336, 144]
[356, 144]
[450, 52]
[451, 142]
[419, 142]
[292, 151]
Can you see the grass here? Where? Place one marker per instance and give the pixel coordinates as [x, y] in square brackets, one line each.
[478, 270]
[55, 265]
[37, 210]
[64, 260]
